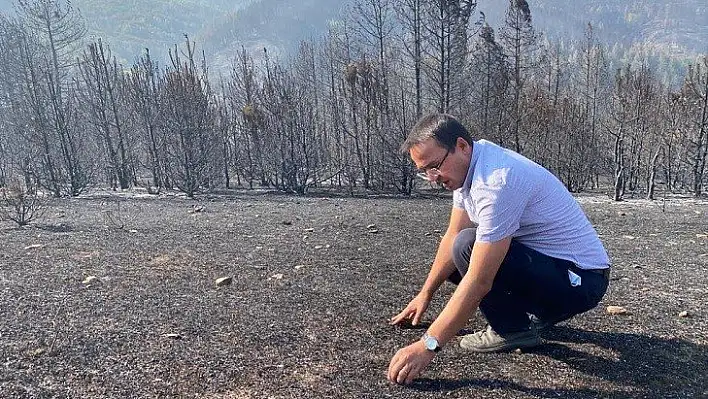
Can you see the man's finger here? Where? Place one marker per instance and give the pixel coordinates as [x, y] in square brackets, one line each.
[395, 318]
[395, 367]
[403, 374]
[400, 317]
[416, 317]
[412, 375]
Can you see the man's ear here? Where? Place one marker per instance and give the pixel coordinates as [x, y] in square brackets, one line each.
[461, 143]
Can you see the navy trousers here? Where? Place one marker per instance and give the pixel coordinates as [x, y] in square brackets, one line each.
[529, 282]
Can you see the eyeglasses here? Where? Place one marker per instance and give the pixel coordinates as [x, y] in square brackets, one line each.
[432, 174]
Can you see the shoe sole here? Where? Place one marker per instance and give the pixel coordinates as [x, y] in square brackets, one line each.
[530, 342]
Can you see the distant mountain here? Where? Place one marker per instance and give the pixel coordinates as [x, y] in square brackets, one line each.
[679, 25]
[675, 27]
[278, 25]
[221, 27]
[130, 26]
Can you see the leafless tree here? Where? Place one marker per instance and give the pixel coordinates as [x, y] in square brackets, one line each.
[188, 124]
[696, 92]
[626, 124]
[378, 29]
[102, 85]
[225, 125]
[12, 109]
[663, 128]
[446, 50]
[489, 69]
[53, 30]
[410, 14]
[142, 93]
[520, 43]
[247, 140]
[334, 108]
[593, 83]
[672, 138]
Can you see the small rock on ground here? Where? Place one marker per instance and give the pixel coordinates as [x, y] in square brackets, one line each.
[224, 281]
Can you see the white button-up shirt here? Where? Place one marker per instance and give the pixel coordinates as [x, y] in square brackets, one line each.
[506, 194]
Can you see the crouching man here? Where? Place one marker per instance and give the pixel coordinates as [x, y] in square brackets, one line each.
[518, 246]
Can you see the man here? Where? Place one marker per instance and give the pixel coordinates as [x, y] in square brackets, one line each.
[518, 246]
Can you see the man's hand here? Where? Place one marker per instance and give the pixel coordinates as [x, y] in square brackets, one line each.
[409, 362]
[414, 310]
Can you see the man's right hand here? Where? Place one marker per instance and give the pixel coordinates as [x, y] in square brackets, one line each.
[414, 311]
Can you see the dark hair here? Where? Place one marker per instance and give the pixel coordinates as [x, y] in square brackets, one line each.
[442, 127]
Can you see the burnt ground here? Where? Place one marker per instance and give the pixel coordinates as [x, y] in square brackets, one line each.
[313, 288]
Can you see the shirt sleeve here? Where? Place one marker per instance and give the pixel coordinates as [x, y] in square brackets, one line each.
[501, 202]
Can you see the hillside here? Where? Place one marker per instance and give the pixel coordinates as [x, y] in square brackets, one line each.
[278, 25]
[132, 25]
[129, 26]
[222, 26]
[679, 25]
[677, 28]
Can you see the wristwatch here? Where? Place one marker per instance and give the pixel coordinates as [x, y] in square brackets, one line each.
[431, 343]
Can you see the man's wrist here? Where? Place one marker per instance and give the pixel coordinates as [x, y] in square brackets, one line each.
[426, 293]
[431, 343]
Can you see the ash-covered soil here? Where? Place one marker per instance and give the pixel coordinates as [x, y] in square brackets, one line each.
[314, 286]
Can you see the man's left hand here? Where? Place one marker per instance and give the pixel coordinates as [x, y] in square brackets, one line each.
[409, 362]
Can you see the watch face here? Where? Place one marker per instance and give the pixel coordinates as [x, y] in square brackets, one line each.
[431, 343]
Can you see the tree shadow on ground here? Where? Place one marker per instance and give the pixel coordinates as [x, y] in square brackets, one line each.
[658, 367]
